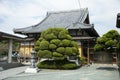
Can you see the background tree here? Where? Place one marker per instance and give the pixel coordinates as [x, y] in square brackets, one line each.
[4, 47]
[56, 43]
[108, 42]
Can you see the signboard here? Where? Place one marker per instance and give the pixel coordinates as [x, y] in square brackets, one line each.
[118, 21]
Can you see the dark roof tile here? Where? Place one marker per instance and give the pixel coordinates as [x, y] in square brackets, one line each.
[57, 19]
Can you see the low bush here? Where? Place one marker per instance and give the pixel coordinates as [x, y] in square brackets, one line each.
[83, 61]
[57, 64]
[69, 66]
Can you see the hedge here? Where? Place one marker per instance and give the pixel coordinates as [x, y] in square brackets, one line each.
[57, 64]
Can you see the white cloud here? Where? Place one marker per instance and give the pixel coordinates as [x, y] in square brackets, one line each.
[63, 4]
[19, 16]
[103, 14]
[23, 13]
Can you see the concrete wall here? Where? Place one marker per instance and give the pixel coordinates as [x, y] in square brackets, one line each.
[118, 59]
[103, 57]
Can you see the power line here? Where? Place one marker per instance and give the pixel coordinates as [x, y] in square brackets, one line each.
[79, 3]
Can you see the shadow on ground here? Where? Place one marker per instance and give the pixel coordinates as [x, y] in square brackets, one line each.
[107, 68]
[6, 66]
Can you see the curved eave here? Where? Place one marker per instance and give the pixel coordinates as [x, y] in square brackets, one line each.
[22, 30]
[79, 25]
[4, 35]
[83, 38]
[95, 32]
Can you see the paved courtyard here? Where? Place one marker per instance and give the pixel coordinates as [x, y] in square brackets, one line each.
[93, 72]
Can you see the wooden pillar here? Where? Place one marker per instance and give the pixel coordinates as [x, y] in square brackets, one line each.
[24, 51]
[10, 51]
[88, 53]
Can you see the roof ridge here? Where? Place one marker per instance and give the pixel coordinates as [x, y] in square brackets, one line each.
[83, 24]
[86, 24]
[65, 11]
[57, 12]
[83, 14]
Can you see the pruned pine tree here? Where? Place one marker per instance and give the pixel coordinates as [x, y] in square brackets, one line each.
[56, 43]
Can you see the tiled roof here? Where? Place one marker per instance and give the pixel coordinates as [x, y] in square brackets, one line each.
[7, 36]
[65, 19]
[4, 35]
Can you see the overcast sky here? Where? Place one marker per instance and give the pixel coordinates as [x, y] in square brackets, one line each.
[24, 13]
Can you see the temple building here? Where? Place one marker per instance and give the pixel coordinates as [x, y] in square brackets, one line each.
[75, 21]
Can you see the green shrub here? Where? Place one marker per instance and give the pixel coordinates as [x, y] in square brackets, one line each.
[56, 54]
[74, 44]
[75, 50]
[36, 48]
[52, 46]
[61, 44]
[40, 39]
[82, 59]
[47, 65]
[62, 34]
[69, 66]
[37, 43]
[45, 54]
[109, 43]
[56, 31]
[98, 47]
[66, 42]
[57, 64]
[50, 36]
[44, 45]
[102, 40]
[113, 34]
[69, 37]
[48, 54]
[68, 51]
[58, 58]
[60, 50]
[118, 45]
[55, 41]
[40, 53]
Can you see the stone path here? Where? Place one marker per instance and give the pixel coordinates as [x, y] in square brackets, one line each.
[11, 72]
[93, 72]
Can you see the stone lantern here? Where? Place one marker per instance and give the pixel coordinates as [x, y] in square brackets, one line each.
[32, 68]
[32, 59]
